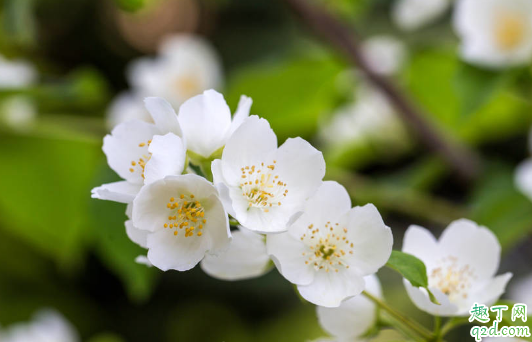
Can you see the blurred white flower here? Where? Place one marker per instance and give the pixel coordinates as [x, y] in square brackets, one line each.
[354, 317]
[143, 260]
[369, 118]
[385, 54]
[142, 152]
[46, 326]
[329, 249]
[125, 107]
[16, 74]
[461, 266]
[495, 33]
[184, 219]
[206, 121]
[186, 66]
[413, 14]
[264, 186]
[18, 112]
[246, 258]
[521, 291]
[523, 173]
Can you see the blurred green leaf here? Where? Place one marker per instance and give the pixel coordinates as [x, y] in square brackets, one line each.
[475, 87]
[291, 95]
[412, 269]
[131, 5]
[114, 248]
[106, 337]
[498, 205]
[45, 193]
[18, 21]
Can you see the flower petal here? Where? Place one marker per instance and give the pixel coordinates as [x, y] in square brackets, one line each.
[242, 112]
[127, 143]
[329, 289]
[219, 182]
[355, 316]
[163, 115]
[140, 237]
[286, 253]
[419, 242]
[123, 192]
[457, 241]
[421, 299]
[168, 156]
[489, 293]
[205, 120]
[523, 178]
[246, 258]
[371, 238]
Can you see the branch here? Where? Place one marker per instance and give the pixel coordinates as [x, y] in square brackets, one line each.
[463, 161]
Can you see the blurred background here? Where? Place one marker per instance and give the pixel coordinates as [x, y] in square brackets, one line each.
[70, 69]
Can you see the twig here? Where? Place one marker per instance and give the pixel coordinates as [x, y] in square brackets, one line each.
[464, 162]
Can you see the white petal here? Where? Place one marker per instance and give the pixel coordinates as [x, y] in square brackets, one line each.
[143, 260]
[355, 316]
[217, 229]
[205, 120]
[123, 192]
[140, 237]
[219, 182]
[301, 166]
[246, 258]
[242, 112]
[16, 74]
[163, 115]
[286, 253]
[253, 140]
[520, 291]
[329, 289]
[490, 292]
[372, 239]
[169, 252]
[421, 299]
[413, 14]
[419, 242]
[523, 178]
[385, 54]
[168, 155]
[127, 143]
[126, 107]
[457, 241]
[331, 200]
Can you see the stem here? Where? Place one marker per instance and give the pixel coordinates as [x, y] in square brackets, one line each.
[437, 329]
[405, 321]
[463, 161]
[451, 324]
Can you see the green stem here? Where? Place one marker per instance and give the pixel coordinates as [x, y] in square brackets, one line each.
[437, 329]
[451, 324]
[405, 321]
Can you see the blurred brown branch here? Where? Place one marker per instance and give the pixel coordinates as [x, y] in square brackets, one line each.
[463, 161]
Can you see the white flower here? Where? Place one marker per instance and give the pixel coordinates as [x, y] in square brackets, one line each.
[246, 258]
[523, 173]
[46, 326]
[461, 266]
[126, 107]
[16, 74]
[263, 186]
[520, 291]
[413, 14]
[18, 112]
[369, 118]
[385, 54]
[183, 218]
[186, 66]
[142, 152]
[495, 33]
[354, 317]
[329, 249]
[206, 121]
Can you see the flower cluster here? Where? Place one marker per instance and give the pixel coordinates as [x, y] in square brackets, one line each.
[281, 207]
[206, 187]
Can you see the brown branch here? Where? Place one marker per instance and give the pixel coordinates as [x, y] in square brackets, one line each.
[464, 162]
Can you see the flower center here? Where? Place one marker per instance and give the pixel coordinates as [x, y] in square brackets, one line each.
[187, 86]
[187, 213]
[452, 279]
[328, 248]
[262, 187]
[509, 30]
[140, 164]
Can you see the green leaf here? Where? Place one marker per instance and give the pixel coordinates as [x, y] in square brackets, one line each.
[131, 5]
[475, 87]
[45, 193]
[412, 269]
[291, 95]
